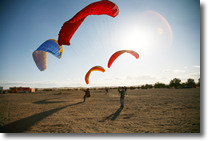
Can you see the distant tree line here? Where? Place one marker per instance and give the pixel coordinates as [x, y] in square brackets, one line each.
[175, 83]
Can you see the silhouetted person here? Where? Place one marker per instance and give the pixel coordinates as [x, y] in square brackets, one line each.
[106, 90]
[125, 90]
[122, 93]
[87, 93]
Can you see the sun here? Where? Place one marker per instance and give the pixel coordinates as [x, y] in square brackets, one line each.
[160, 30]
[151, 32]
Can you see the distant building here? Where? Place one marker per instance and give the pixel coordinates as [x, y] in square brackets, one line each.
[21, 90]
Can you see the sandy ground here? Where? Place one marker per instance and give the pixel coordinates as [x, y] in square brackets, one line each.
[145, 111]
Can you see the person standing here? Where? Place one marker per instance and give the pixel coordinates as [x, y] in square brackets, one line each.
[122, 93]
[106, 91]
[126, 91]
[87, 94]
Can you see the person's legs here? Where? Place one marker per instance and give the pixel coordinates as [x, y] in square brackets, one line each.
[85, 97]
[122, 102]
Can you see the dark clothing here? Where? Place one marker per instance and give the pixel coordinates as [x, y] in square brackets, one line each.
[122, 93]
[87, 94]
[106, 91]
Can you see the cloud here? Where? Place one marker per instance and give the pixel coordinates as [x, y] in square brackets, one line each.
[178, 71]
[167, 70]
[117, 78]
[196, 66]
[36, 84]
[107, 79]
[193, 75]
[76, 79]
[164, 78]
[141, 77]
[174, 71]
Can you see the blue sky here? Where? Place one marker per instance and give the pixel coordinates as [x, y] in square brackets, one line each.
[165, 33]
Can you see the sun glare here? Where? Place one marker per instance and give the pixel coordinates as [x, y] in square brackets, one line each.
[149, 34]
[160, 31]
[146, 35]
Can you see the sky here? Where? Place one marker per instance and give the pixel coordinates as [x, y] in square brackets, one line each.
[165, 34]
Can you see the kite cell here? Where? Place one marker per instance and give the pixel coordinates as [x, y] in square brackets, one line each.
[95, 68]
[118, 53]
[40, 54]
[68, 29]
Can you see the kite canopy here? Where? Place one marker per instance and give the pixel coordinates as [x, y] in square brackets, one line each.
[118, 53]
[68, 29]
[40, 54]
[95, 68]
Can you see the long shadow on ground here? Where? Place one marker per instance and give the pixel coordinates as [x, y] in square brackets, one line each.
[47, 102]
[114, 115]
[25, 123]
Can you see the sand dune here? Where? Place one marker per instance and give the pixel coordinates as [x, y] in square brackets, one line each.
[145, 111]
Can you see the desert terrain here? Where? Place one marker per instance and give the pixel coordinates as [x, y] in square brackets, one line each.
[145, 111]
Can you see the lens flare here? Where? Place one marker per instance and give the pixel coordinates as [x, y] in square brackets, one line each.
[160, 31]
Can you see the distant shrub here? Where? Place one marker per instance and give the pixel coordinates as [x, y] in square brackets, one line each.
[167, 86]
[176, 83]
[143, 87]
[81, 89]
[47, 89]
[132, 88]
[159, 85]
[148, 86]
[198, 84]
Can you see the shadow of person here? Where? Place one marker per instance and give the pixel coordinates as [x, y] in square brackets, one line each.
[48, 102]
[114, 115]
[117, 113]
[24, 124]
